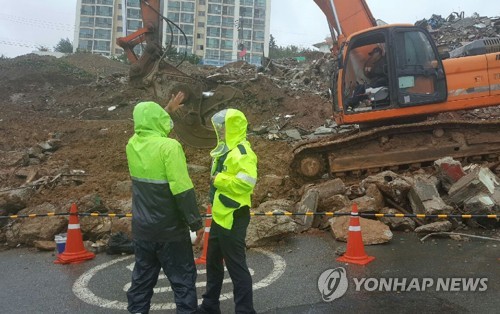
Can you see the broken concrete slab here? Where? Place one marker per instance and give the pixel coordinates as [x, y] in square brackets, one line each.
[372, 231]
[479, 180]
[424, 198]
[294, 134]
[449, 171]
[396, 223]
[264, 230]
[308, 204]
[481, 204]
[390, 184]
[326, 190]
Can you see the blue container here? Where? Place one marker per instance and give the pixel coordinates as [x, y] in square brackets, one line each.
[60, 240]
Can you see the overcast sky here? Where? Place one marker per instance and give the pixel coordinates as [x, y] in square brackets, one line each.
[27, 24]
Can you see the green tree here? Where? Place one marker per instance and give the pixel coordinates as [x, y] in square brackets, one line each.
[64, 46]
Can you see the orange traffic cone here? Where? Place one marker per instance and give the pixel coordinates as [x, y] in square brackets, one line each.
[208, 222]
[75, 251]
[355, 252]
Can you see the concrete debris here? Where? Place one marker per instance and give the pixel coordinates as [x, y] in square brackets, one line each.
[391, 185]
[264, 230]
[372, 231]
[478, 181]
[326, 190]
[438, 226]
[425, 199]
[395, 223]
[308, 204]
[449, 171]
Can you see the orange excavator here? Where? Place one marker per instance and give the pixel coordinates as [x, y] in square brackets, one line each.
[149, 69]
[390, 79]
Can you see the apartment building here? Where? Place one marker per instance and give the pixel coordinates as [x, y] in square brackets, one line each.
[218, 31]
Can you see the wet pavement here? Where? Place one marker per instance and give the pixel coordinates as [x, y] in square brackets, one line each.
[285, 279]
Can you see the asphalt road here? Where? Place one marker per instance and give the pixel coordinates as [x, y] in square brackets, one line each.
[285, 279]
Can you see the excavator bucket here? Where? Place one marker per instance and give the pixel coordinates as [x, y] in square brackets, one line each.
[192, 122]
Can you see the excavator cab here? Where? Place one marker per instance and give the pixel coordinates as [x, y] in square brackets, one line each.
[389, 67]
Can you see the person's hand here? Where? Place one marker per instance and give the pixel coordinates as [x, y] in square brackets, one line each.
[175, 102]
[199, 236]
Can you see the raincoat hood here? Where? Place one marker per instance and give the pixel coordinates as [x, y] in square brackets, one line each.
[150, 119]
[234, 125]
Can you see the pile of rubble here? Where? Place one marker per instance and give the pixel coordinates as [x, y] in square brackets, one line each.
[456, 30]
[450, 189]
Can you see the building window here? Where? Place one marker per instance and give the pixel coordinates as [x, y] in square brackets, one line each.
[201, 13]
[133, 25]
[103, 11]
[213, 20]
[246, 23]
[86, 33]
[228, 22]
[88, 1]
[105, 2]
[213, 31]
[199, 47]
[212, 54]
[119, 6]
[85, 45]
[247, 34]
[101, 45]
[227, 33]
[246, 12]
[226, 44]
[119, 29]
[214, 9]
[133, 3]
[134, 13]
[214, 1]
[258, 47]
[201, 24]
[102, 34]
[87, 10]
[201, 2]
[246, 2]
[188, 6]
[227, 10]
[188, 29]
[213, 43]
[258, 24]
[87, 21]
[228, 2]
[174, 6]
[103, 22]
[120, 17]
[258, 35]
[187, 18]
[174, 17]
[259, 13]
[260, 3]
[226, 56]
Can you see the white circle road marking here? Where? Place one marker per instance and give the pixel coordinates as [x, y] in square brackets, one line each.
[169, 288]
[81, 290]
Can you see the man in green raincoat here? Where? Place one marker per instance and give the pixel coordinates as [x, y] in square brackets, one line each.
[164, 208]
[234, 174]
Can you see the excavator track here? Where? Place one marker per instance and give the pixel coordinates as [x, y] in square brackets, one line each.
[397, 146]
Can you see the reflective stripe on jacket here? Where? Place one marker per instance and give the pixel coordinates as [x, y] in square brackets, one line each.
[163, 198]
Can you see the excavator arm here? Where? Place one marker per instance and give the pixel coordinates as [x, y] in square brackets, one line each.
[346, 17]
[150, 70]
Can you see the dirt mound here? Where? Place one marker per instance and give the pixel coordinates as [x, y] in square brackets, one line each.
[96, 64]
